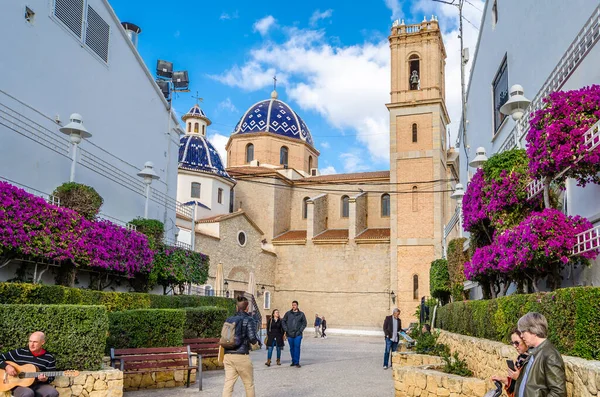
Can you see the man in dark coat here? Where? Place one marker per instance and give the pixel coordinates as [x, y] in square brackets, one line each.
[294, 323]
[391, 327]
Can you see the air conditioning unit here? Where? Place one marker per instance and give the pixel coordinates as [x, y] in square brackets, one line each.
[314, 172]
[255, 163]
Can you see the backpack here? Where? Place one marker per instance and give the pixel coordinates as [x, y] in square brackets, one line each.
[230, 337]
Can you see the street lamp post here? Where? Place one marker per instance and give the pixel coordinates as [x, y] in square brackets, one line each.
[515, 107]
[479, 159]
[149, 175]
[77, 132]
[458, 194]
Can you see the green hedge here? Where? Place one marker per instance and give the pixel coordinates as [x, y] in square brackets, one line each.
[24, 293]
[75, 335]
[573, 316]
[204, 322]
[146, 328]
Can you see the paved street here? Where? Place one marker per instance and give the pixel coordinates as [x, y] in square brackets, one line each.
[337, 366]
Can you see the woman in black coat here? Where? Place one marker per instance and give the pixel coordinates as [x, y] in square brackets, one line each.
[323, 327]
[274, 337]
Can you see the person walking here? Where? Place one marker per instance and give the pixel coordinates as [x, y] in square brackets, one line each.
[513, 374]
[317, 326]
[391, 326]
[237, 360]
[323, 327]
[543, 372]
[275, 337]
[294, 323]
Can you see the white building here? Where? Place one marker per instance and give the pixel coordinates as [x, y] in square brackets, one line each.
[544, 49]
[73, 56]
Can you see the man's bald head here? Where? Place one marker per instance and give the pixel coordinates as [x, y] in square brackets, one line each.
[36, 341]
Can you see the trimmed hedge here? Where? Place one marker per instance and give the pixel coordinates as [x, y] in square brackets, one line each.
[24, 293]
[146, 328]
[204, 322]
[573, 316]
[75, 335]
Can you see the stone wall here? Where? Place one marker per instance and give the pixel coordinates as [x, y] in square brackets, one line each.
[105, 383]
[486, 358]
[156, 380]
[317, 214]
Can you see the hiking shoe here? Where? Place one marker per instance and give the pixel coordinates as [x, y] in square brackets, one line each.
[385, 367]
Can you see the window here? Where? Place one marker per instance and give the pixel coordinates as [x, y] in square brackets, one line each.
[283, 156]
[267, 300]
[500, 92]
[208, 291]
[29, 15]
[189, 127]
[416, 287]
[249, 152]
[385, 205]
[220, 196]
[196, 127]
[305, 207]
[414, 77]
[415, 199]
[310, 164]
[195, 190]
[414, 133]
[231, 201]
[495, 14]
[203, 129]
[345, 206]
[241, 237]
[97, 34]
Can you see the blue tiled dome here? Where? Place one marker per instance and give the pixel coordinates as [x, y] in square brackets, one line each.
[276, 117]
[196, 153]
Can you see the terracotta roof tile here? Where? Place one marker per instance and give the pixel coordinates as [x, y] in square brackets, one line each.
[292, 235]
[353, 176]
[333, 234]
[374, 234]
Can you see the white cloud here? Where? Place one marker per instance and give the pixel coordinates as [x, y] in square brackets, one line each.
[318, 15]
[325, 145]
[219, 141]
[225, 16]
[329, 170]
[252, 76]
[227, 105]
[396, 7]
[354, 161]
[177, 34]
[263, 25]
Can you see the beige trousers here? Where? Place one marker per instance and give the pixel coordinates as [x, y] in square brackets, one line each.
[238, 366]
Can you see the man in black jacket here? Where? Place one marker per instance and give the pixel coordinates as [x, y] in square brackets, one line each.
[237, 360]
[294, 323]
[391, 326]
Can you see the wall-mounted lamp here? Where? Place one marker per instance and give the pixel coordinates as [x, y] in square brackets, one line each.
[393, 296]
[226, 285]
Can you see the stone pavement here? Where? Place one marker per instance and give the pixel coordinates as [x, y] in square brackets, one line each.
[336, 366]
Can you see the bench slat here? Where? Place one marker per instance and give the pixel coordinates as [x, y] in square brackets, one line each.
[153, 357]
[180, 364]
[151, 350]
[201, 340]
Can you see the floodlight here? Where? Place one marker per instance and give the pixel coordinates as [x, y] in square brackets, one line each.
[164, 87]
[181, 80]
[164, 69]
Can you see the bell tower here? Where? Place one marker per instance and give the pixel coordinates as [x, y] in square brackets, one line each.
[418, 119]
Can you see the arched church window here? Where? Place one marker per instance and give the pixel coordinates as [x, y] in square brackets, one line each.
[195, 190]
[196, 126]
[385, 205]
[414, 72]
[249, 152]
[305, 207]
[189, 127]
[416, 287]
[283, 156]
[415, 199]
[310, 164]
[345, 206]
[414, 132]
[203, 129]
[220, 196]
[267, 300]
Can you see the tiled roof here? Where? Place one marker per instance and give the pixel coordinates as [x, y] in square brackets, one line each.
[354, 176]
[292, 235]
[374, 234]
[333, 234]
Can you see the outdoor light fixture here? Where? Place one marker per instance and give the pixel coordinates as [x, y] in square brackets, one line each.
[164, 88]
[226, 285]
[393, 296]
[148, 174]
[77, 132]
[459, 192]
[479, 159]
[181, 80]
[164, 69]
[516, 105]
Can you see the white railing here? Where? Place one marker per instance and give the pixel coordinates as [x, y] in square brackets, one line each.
[116, 221]
[51, 199]
[413, 28]
[592, 136]
[453, 221]
[587, 241]
[584, 41]
[534, 188]
[175, 243]
[184, 210]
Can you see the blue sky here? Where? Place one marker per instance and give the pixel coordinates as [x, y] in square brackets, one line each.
[331, 61]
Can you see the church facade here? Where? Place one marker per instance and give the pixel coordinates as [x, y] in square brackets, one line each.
[347, 246]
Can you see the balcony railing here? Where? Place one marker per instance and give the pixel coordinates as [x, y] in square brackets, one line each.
[534, 188]
[587, 241]
[51, 199]
[453, 221]
[175, 243]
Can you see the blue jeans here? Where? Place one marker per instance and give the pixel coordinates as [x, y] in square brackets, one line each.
[270, 350]
[295, 348]
[389, 348]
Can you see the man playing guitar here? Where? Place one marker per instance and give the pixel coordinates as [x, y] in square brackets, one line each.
[36, 355]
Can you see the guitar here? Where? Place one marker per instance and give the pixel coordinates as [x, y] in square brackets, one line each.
[26, 375]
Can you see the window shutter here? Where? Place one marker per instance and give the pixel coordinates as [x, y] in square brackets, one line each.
[70, 13]
[97, 34]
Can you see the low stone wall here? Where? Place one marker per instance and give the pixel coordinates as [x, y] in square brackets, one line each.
[105, 383]
[410, 359]
[486, 358]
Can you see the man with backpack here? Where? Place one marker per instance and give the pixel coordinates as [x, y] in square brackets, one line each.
[293, 324]
[237, 334]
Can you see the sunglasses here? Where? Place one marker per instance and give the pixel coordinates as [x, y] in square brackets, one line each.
[515, 344]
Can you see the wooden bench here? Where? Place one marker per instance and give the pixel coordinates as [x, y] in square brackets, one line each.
[204, 348]
[156, 359]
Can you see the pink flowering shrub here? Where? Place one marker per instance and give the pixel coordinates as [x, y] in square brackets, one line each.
[473, 206]
[556, 139]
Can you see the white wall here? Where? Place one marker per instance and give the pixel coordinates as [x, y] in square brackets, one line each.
[208, 192]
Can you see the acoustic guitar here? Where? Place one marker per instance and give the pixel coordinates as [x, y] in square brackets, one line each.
[26, 375]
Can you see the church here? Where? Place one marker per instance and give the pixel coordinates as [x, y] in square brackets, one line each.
[349, 247]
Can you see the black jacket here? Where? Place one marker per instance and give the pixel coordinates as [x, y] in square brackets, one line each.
[324, 325]
[388, 326]
[294, 323]
[274, 332]
[245, 330]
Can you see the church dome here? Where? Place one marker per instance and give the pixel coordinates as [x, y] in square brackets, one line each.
[275, 116]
